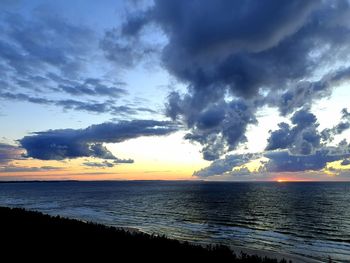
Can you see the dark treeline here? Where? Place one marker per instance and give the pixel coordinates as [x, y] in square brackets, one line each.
[34, 236]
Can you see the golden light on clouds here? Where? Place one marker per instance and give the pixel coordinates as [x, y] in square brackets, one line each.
[155, 158]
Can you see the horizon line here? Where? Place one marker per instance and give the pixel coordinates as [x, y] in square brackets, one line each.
[177, 180]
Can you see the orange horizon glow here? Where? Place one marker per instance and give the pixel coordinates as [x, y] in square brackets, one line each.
[286, 180]
[137, 175]
[281, 180]
[146, 169]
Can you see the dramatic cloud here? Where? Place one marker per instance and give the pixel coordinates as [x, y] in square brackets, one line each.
[277, 161]
[250, 54]
[302, 138]
[299, 147]
[69, 143]
[219, 128]
[234, 58]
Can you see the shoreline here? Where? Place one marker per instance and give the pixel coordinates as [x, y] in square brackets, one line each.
[33, 232]
[236, 249]
[273, 254]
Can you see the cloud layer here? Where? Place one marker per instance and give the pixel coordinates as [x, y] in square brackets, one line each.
[233, 57]
[70, 143]
[295, 147]
[236, 57]
[49, 60]
[302, 138]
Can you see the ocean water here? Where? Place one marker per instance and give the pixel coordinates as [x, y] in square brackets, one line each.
[307, 219]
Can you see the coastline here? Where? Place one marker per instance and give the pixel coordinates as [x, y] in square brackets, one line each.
[273, 254]
[32, 232]
[250, 251]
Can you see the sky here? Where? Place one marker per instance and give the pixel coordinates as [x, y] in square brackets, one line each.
[175, 90]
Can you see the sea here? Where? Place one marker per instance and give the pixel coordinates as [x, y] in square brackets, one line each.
[309, 219]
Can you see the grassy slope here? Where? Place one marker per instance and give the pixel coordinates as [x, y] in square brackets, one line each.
[33, 235]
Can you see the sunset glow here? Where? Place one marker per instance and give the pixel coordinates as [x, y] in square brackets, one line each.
[125, 95]
[282, 180]
[222, 123]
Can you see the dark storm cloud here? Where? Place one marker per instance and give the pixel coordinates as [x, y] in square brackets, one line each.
[216, 50]
[267, 52]
[69, 143]
[243, 47]
[221, 127]
[302, 138]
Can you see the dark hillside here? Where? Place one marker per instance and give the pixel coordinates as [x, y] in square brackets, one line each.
[35, 236]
